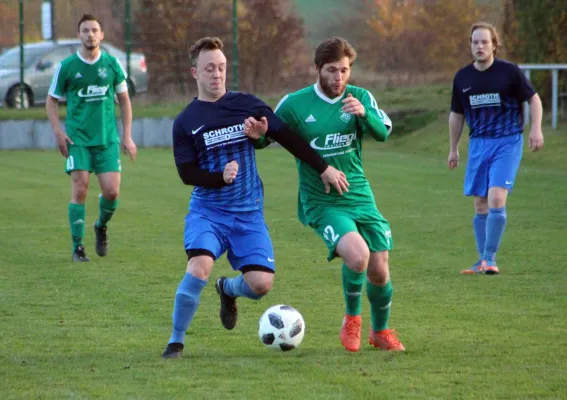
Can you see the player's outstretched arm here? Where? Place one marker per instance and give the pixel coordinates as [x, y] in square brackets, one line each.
[293, 143]
[456, 124]
[256, 130]
[261, 143]
[300, 149]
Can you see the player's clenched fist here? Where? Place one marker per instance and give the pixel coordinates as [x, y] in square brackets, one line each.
[255, 129]
[453, 159]
[230, 171]
[333, 177]
[535, 139]
[351, 105]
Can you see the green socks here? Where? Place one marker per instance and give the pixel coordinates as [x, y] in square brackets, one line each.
[380, 298]
[352, 290]
[77, 222]
[77, 218]
[106, 211]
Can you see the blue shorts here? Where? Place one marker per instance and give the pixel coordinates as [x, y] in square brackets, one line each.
[243, 234]
[493, 162]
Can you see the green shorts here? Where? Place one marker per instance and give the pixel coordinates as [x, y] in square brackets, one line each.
[99, 159]
[333, 223]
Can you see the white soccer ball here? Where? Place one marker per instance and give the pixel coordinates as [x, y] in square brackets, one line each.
[281, 328]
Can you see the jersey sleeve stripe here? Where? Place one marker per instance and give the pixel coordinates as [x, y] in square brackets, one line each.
[373, 103]
[386, 120]
[381, 114]
[281, 102]
[54, 80]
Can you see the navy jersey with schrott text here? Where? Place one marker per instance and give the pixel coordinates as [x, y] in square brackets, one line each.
[491, 100]
[211, 133]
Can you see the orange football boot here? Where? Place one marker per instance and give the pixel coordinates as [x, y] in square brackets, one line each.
[386, 339]
[350, 332]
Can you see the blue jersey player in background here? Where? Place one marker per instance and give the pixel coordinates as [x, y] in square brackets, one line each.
[213, 153]
[489, 94]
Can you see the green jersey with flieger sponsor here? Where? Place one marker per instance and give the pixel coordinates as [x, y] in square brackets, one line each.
[89, 89]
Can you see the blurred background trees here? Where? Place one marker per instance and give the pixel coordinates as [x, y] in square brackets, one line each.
[400, 42]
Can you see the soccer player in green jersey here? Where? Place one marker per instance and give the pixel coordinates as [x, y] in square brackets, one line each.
[89, 81]
[333, 117]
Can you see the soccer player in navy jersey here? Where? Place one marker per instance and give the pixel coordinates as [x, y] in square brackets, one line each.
[489, 94]
[213, 154]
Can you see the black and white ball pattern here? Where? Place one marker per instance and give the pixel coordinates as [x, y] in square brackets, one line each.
[281, 328]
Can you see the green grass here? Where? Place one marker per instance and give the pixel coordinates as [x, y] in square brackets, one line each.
[96, 330]
[436, 98]
[433, 140]
[160, 110]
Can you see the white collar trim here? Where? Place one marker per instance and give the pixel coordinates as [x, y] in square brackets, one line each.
[87, 61]
[324, 97]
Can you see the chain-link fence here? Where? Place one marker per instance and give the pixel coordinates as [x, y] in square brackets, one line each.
[268, 43]
[152, 38]
[37, 34]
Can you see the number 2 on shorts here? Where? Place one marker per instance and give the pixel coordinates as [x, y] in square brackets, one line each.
[330, 235]
[70, 163]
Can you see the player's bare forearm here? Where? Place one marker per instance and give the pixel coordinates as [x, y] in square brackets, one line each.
[61, 138]
[372, 124]
[126, 113]
[536, 135]
[536, 111]
[456, 123]
[52, 108]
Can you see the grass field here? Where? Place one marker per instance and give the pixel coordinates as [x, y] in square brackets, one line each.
[96, 331]
[435, 97]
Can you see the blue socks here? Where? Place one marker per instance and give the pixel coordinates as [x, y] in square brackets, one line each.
[187, 300]
[237, 287]
[495, 225]
[186, 303]
[479, 227]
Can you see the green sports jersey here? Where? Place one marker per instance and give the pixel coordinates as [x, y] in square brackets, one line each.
[337, 137]
[89, 89]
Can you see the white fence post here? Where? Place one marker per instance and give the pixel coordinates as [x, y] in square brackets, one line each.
[554, 84]
[554, 68]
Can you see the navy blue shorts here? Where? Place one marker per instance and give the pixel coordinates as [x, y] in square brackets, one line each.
[243, 235]
[493, 162]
